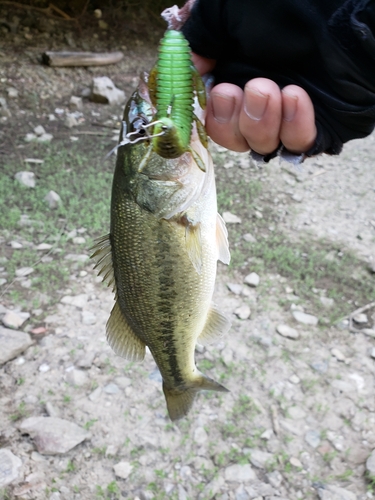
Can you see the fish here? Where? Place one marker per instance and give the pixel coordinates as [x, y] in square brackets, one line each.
[160, 257]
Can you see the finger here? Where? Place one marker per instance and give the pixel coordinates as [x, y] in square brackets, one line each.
[260, 117]
[298, 130]
[203, 64]
[222, 119]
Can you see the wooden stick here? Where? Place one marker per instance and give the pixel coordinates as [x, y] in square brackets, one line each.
[81, 58]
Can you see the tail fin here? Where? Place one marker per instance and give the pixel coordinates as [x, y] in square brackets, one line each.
[180, 401]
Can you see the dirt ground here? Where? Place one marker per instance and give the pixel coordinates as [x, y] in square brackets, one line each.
[299, 420]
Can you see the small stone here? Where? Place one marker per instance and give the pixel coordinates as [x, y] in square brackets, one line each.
[267, 434]
[327, 302]
[88, 318]
[360, 319]
[312, 438]
[86, 360]
[26, 178]
[297, 197]
[295, 462]
[44, 246]
[16, 245]
[294, 379]
[24, 271]
[102, 24]
[53, 436]
[234, 288]
[70, 121]
[94, 396]
[39, 130]
[44, 367]
[111, 388]
[258, 214]
[320, 366]
[275, 478]
[338, 354]
[296, 413]
[13, 343]
[30, 137]
[200, 436]
[230, 218]
[76, 103]
[331, 492]
[105, 92]
[304, 318]
[210, 490]
[123, 469]
[372, 352]
[79, 240]
[82, 257]
[52, 410]
[287, 331]
[249, 238]
[45, 138]
[260, 459]
[12, 92]
[53, 199]
[76, 377]
[370, 465]
[2, 281]
[9, 467]
[243, 312]
[252, 280]
[78, 301]
[239, 473]
[15, 320]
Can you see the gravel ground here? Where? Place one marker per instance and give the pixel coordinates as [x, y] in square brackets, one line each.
[78, 422]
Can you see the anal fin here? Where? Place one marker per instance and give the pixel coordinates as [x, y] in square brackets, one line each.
[122, 338]
[216, 326]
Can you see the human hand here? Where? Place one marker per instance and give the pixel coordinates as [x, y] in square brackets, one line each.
[260, 116]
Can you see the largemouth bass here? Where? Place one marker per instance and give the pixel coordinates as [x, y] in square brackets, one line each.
[161, 257]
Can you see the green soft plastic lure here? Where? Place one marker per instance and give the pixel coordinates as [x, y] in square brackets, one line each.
[173, 82]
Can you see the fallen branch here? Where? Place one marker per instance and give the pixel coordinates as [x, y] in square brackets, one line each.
[81, 58]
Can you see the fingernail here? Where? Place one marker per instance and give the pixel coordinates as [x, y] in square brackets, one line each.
[289, 106]
[255, 103]
[222, 107]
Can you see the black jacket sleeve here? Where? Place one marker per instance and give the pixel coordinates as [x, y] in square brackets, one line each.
[326, 47]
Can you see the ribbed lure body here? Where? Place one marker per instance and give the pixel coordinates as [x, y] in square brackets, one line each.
[174, 96]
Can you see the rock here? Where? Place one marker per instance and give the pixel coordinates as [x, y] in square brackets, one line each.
[370, 465]
[79, 240]
[243, 312]
[259, 458]
[241, 493]
[111, 388]
[287, 331]
[360, 319]
[211, 489]
[295, 462]
[15, 320]
[331, 492]
[294, 379]
[275, 478]
[82, 257]
[230, 218]
[105, 92]
[94, 396]
[70, 121]
[372, 352]
[44, 246]
[53, 436]
[76, 103]
[52, 410]
[4, 111]
[327, 302]
[30, 137]
[200, 436]
[16, 245]
[53, 199]
[123, 469]
[252, 279]
[267, 434]
[78, 301]
[249, 238]
[239, 473]
[26, 178]
[45, 138]
[320, 366]
[39, 130]
[86, 360]
[12, 92]
[2, 281]
[338, 354]
[88, 318]
[297, 197]
[76, 377]
[24, 271]
[312, 438]
[9, 466]
[234, 288]
[304, 318]
[296, 413]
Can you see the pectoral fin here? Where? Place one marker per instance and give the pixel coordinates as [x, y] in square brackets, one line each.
[222, 240]
[194, 245]
[103, 260]
[216, 326]
[121, 337]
